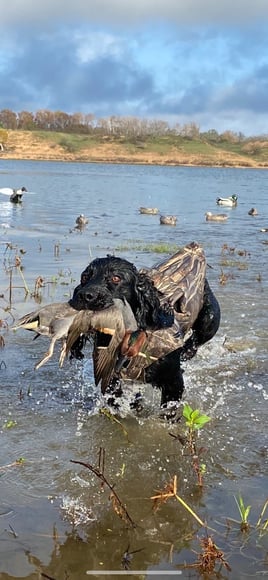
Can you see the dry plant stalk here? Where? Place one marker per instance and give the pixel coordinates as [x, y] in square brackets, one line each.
[209, 557]
[117, 504]
[170, 490]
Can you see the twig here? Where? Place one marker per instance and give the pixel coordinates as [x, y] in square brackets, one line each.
[117, 504]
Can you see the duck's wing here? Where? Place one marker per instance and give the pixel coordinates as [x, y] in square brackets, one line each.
[108, 328]
[181, 281]
[105, 356]
[122, 324]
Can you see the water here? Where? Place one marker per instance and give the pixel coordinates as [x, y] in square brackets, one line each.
[55, 518]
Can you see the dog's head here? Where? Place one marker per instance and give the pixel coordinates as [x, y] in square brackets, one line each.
[107, 278]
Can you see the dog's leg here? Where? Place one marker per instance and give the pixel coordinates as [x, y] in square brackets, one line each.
[167, 375]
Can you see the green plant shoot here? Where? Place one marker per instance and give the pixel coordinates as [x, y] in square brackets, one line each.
[243, 510]
[194, 419]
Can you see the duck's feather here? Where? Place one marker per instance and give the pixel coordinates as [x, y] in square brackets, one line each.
[113, 322]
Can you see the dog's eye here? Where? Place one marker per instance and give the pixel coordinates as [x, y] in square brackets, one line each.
[84, 279]
[115, 279]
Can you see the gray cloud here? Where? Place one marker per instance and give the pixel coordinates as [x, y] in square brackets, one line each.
[47, 73]
[210, 75]
[131, 12]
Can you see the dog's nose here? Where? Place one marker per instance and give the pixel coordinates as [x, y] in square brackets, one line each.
[93, 298]
[89, 296]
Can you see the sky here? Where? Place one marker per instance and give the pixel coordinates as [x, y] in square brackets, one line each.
[180, 61]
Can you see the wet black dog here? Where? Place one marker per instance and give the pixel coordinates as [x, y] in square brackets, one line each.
[113, 277]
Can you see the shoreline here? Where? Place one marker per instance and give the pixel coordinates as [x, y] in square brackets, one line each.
[29, 146]
[131, 161]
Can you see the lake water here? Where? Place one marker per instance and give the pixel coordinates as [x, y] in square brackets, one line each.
[56, 520]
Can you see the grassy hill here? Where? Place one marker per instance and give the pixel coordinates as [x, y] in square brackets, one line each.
[165, 150]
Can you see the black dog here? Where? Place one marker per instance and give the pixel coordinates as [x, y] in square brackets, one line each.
[113, 277]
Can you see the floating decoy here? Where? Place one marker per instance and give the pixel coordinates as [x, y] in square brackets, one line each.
[149, 210]
[81, 221]
[15, 195]
[227, 201]
[216, 217]
[253, 211]
[52, 321]
[168, 220]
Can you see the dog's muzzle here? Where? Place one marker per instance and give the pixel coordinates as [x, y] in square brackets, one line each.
[91, 297]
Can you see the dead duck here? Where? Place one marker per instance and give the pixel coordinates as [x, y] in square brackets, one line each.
[168, 220]
[59, 321]
[124, 339]
[15, 195]
[149, 210]
[227, 201]
[216, 217]
[52, 321]
[253, 211]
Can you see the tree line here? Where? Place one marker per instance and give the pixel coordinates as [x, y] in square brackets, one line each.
[116, 126]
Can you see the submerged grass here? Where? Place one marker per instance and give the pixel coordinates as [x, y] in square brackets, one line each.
[154, 248]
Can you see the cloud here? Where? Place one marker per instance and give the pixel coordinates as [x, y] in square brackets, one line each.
[196, 61]
[132, 12]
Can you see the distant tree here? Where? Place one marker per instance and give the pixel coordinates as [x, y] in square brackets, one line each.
[44, 119]
[211, 135]
[158, 128]
[191, 131]
[76, 123]
[62, 121]
[254, 147]
[229, 136]
[103, 126]
[26, 121]
[89, 120]
[241, 137]
[177, 129]
[8, 119]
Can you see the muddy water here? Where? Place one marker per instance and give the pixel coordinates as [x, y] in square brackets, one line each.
[55, 517]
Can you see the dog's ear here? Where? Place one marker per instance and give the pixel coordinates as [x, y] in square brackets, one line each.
[148, 301]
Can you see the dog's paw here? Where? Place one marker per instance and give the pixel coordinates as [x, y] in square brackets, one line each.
[136, 404]
[171, 412]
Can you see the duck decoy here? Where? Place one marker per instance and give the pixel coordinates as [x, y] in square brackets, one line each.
[227, 201]
[253, 211]
[168, 220]
[15, 195]
[149, 210]
[216, 217]
[81, 221]
[52, 321]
